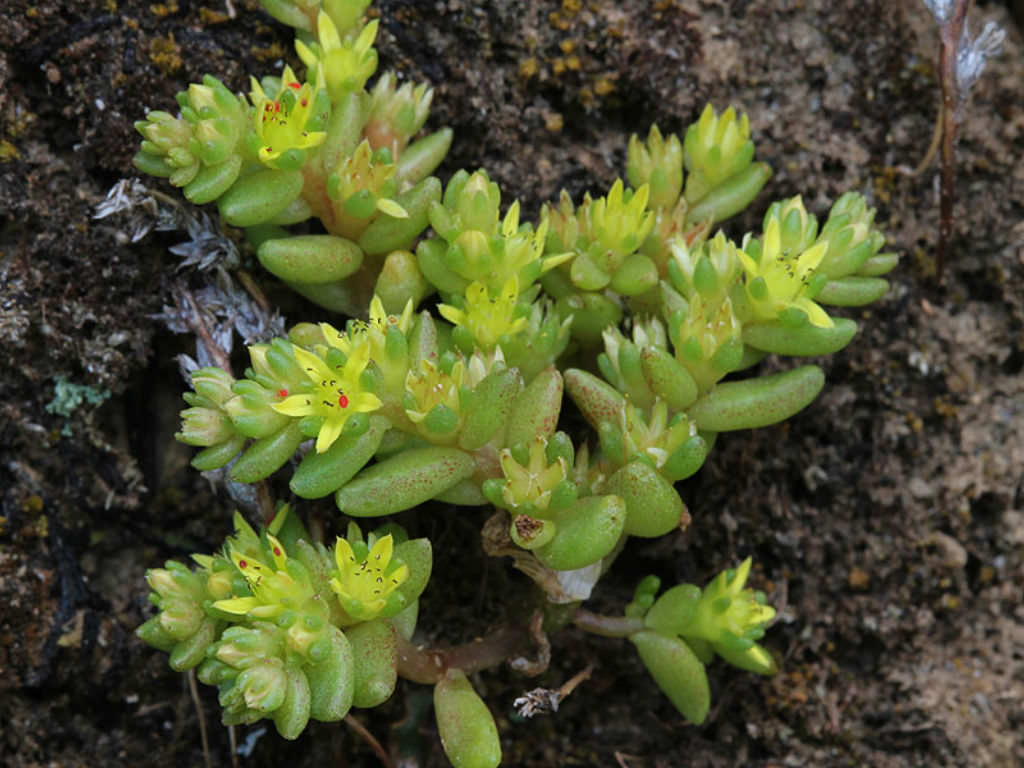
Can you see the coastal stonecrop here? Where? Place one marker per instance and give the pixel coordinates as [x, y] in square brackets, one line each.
[632, 303]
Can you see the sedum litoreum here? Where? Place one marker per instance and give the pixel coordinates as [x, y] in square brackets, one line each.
[552, 379]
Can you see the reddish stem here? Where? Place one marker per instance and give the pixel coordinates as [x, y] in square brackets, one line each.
[949, 38]
[429, 665]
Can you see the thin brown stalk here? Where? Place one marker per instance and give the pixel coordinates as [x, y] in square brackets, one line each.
[193, 690]
[949, 37]
[370, 739]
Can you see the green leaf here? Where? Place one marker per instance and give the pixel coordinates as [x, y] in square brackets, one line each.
[653, 508]
[259, 197]
[310, 259]
[468, 733]
[805, 341]
[320, 474]
[267, 455]
[375, 668]
[291, 717]
[853, 291]
[587, 531]
[678, 672]
[757, 402]
[403, 481]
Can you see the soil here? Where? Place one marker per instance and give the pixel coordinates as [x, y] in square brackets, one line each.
[886, 520]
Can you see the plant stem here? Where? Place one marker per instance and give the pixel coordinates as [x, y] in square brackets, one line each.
[429, 665]
[949, 37]
[609, 626]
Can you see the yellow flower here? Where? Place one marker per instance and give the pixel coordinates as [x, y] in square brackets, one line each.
[273, 588]
[364, 583]
[485, 318]
[287, 121]
[779, 280]
[533, 483]
[429, 387]
[726, 608]
[337, 392]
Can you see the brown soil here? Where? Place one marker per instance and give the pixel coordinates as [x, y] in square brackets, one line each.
[887, 520]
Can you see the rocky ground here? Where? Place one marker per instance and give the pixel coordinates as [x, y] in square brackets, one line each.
[887, 519]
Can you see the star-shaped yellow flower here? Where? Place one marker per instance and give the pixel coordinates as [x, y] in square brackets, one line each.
[779, 280]
[337, 393]
[364, 584]
[273, 588]
[291, 120]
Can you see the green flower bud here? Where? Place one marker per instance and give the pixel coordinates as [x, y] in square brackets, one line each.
[716, 148]
[347, 59]
[659, 164]
[397, 114]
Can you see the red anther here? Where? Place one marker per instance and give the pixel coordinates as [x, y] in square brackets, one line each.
[343, 401]
[305, 102]
[282, 393]
[242, 564]
[277, 551]
[277, 106]
[296, 86]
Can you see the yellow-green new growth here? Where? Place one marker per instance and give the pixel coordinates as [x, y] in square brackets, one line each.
[347, 64]
[487, 319]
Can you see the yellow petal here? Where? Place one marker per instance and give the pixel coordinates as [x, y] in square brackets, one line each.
[740, 578]
[818, 316]
[327, 33]
[277, 552]
[511, 222]
[749, 265]
[364, 402]
[308, 57]
[237, 605]
[398, 576]
[391, 208]
[344, 556]
[296, 405]
[380, 555]
[772, 241]
[810, 259]
[451, 314]
[314, 367]
[329, 432]
[335, 338]
[251, 568]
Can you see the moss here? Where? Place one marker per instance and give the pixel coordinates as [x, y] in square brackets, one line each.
[166, 54]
